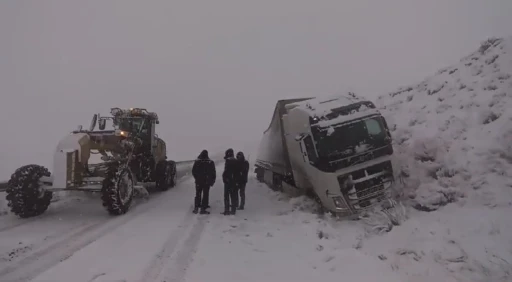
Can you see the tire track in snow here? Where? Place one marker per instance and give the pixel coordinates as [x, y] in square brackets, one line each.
[24, 221]
[184, 255]
[178, 269]
[183, 175]
[160, 261]
[21, 223]
[50, 255]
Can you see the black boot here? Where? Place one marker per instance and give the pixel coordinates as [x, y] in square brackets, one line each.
[226, 212]
[241, 207]
[195, 210]
[203, 211]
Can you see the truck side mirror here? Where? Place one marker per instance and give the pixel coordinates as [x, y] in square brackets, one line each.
[93, 122]
[102, 123]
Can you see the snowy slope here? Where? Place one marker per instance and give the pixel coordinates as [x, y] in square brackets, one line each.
[453, 136]
[457, 126]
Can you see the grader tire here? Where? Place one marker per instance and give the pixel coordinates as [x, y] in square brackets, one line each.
[118, 190]
[24, 194]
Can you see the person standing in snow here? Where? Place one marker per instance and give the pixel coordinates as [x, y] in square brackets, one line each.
[229, 178]
[242, 176]
[204, 174]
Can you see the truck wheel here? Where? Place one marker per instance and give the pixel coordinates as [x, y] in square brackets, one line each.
[259, 175]
[173, 174]
[117, 190]
[166, 175]
[24, 196]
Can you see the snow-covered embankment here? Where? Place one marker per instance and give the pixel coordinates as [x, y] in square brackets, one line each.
[453, 137]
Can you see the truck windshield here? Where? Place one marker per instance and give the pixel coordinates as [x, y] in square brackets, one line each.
[131, 124]
[346, 140]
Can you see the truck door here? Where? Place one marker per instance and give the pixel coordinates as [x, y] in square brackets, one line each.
[308, 150]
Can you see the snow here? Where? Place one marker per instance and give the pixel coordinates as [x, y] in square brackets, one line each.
[361, 113]
[319, 107]
[322, 105]
[452, 135]
[275, 239]
[330, 130]
[362, 148]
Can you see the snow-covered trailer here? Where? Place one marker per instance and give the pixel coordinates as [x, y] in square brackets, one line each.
[337, 150]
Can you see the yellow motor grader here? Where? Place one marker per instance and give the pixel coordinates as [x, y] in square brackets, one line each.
[132, 157]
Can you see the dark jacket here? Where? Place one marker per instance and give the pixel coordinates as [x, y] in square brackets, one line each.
[230, 168]
[204, 170]
[243, 168]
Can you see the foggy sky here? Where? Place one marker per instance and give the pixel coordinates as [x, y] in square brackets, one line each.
[213, 70]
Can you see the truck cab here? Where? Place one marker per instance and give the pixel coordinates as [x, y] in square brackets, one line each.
[338, 150]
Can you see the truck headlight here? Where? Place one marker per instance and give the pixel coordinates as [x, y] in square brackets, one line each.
[338, 202]
[121, 133]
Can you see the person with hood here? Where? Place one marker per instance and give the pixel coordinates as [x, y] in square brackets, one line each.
[204, 175]
[229, 178]
[242, 176]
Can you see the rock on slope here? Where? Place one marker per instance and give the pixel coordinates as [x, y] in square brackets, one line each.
[453, 131]
[453, 139]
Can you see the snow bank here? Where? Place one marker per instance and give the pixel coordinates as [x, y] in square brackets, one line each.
[453, 131]
[453, 141]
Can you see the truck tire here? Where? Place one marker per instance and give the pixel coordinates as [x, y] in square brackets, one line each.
[117, 190]
[24, 194]
[166, 175]
[174, 174]
[260, 175]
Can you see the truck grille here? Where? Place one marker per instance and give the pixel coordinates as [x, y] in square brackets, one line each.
[346, 162]
[368, 185]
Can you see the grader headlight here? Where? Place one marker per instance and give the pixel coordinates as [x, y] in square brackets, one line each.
[122, 133]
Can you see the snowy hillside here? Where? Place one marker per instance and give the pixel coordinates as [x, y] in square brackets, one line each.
[453, 137]
[457, 125]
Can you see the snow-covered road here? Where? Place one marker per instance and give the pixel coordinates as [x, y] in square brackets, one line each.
[273, 240]
[162, 240]
[78, 241]
[276, 238]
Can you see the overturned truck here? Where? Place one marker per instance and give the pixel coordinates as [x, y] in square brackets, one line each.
[336, 150]
[132, 157]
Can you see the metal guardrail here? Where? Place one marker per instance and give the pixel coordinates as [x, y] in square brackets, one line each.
[3, 184]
